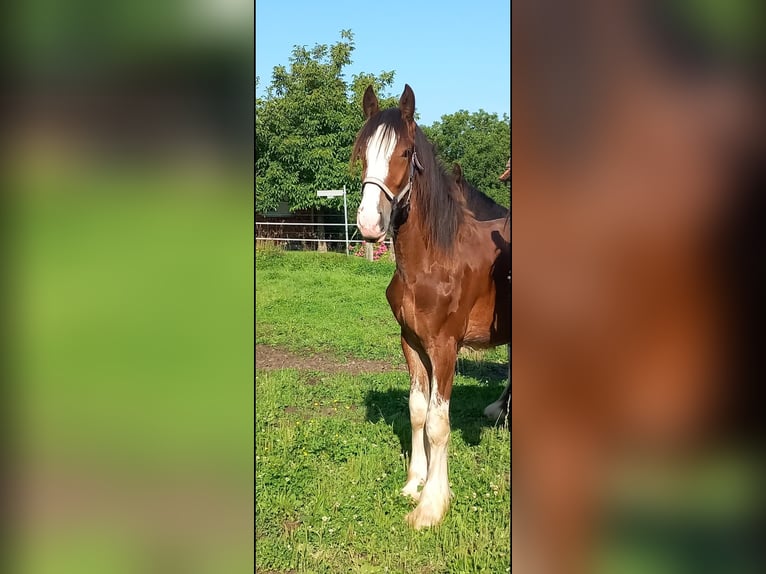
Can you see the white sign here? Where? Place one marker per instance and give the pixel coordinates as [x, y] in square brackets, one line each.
[330, 193]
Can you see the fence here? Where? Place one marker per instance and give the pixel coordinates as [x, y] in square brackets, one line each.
[301, 239]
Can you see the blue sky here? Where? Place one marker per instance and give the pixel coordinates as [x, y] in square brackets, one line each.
[455, 55]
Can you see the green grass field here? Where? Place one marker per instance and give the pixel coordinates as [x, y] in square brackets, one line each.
[331, 447]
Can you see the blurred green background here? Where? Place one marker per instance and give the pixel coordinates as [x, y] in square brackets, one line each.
[129, 287]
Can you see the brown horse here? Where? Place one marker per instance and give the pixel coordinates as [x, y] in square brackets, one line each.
[450, 288]
[501, 408]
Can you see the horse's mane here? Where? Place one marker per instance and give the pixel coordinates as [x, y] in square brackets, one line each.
[441, 202]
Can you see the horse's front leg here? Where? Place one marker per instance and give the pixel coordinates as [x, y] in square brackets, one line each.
[435, 496]
[419, 393]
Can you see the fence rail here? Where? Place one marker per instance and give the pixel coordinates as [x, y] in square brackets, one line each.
[309, 239]
[307, 224]
[300, 239]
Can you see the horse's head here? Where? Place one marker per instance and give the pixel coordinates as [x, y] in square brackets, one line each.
[386, 146]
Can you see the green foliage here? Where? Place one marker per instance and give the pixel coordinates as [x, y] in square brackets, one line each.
[306, 125]
[481, 143]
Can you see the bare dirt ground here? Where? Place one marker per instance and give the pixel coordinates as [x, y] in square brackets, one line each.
[268, 358]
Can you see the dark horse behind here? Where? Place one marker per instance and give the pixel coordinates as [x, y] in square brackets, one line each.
[450, 288]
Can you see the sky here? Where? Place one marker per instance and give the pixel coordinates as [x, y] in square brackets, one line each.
[454, 55]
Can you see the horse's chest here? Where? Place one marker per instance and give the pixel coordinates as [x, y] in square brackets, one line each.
[423, 301]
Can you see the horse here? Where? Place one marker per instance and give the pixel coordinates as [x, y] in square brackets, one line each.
[502, 406]
[450, 288]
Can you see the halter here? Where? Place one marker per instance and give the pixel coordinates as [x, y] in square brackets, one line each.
[403, 197]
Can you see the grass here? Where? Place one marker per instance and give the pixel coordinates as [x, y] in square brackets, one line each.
[133, 354]
[331, 450]
[307, 301]
[312, 302]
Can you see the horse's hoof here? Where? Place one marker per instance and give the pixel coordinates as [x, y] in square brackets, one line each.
[422, 517]
[496, 411]
[411, 491]
[430, 511]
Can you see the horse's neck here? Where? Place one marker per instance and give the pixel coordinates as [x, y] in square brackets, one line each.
[410, 248]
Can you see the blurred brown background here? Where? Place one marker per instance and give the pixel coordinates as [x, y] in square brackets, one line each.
[638, 250]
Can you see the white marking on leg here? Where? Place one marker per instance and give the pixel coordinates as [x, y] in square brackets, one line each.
[435, 496]
[417, 472]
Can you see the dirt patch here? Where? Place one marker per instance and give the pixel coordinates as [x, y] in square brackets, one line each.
[268, 358]
[290, 525]
[312, 380]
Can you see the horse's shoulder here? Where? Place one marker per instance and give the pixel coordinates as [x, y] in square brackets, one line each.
[395, 291]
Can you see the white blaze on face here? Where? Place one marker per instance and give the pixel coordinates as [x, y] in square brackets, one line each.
[380, 148]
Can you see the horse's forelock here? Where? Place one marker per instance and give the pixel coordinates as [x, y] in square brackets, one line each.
[392, 123]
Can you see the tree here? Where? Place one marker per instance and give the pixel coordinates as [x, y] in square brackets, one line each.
[306, 125]
[481, 143]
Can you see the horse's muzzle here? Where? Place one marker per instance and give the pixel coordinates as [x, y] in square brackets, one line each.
[373, 235]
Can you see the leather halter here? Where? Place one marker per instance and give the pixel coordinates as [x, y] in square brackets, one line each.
[404, 194]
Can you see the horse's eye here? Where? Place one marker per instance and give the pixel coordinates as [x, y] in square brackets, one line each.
[406, 153]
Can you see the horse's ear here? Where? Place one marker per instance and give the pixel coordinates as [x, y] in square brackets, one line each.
[457, 172]
[407, 104]
[370, 103]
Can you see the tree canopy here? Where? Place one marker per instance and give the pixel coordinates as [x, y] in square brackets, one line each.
[480, 142]
[306, 125]
[306, 122]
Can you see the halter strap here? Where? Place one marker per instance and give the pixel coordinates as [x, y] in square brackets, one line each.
[404, 194]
